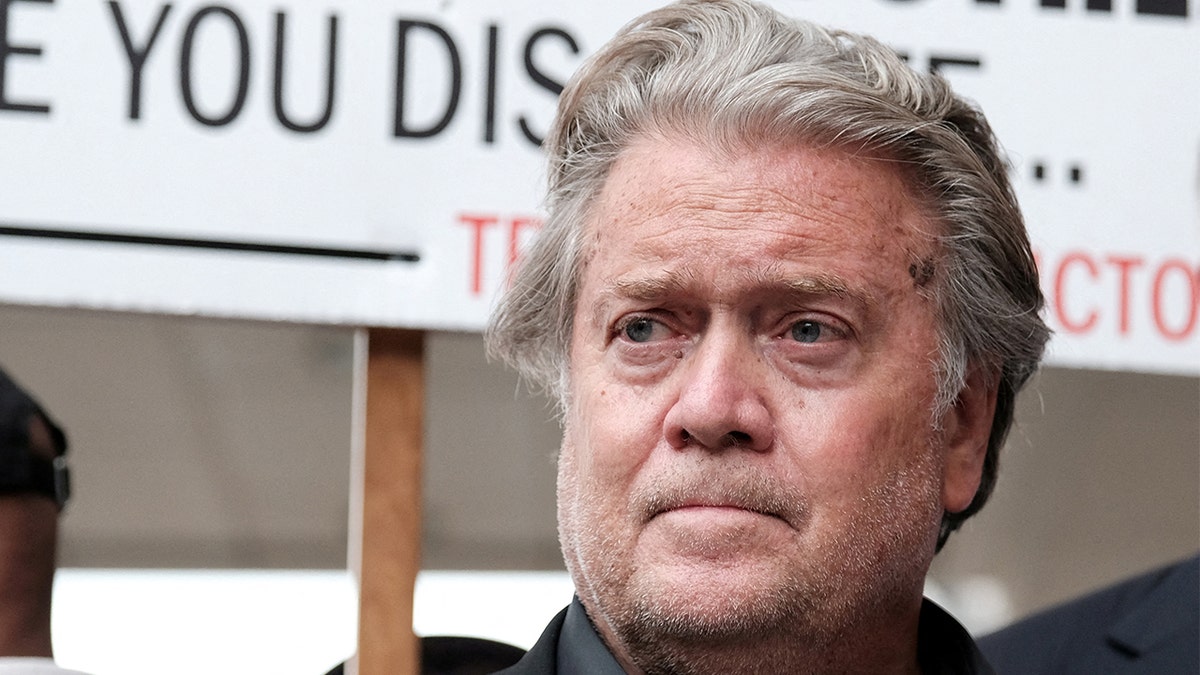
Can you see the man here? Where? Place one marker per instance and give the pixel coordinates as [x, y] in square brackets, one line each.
[33, 490]
[785, 298]
[1148, 624]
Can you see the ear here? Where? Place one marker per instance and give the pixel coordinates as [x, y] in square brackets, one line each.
[965, 431]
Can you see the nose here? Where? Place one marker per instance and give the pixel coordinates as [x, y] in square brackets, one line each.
[721, 402]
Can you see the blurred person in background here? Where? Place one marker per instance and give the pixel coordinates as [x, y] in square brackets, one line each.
[33, 491]
[1146, 625]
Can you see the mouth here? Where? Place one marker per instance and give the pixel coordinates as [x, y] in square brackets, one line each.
[716, 508]
[740, 497]
[717, 531]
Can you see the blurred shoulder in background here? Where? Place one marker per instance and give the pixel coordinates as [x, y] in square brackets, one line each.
[33, 491]
[1147, 624]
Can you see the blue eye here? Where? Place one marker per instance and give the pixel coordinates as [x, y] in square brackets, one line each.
[640, 330]
[806, 331]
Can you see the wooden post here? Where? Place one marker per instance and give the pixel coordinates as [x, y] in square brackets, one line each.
[389, 523]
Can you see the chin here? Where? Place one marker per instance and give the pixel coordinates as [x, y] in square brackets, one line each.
[717, 603]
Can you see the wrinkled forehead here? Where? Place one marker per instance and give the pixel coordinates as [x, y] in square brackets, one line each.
[676, 220]
[710, 179]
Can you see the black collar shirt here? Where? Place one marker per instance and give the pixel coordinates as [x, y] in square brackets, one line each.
[944, 646]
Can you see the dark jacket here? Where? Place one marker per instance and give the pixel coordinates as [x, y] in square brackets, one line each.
[1149, 624]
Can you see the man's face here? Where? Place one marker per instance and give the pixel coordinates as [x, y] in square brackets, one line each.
[749, 443]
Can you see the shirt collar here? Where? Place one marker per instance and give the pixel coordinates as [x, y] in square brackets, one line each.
[580, 649]
[944, 646]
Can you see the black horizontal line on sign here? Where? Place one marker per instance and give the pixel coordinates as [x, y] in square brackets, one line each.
[209, 244]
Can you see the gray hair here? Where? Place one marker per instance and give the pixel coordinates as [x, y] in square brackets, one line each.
[732, 73]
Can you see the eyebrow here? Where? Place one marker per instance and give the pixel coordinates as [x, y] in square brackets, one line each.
[811, 285]
[820, 284]
[771, 280]
[642, 289]
[669, 282]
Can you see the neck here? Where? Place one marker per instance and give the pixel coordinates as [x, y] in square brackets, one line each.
[886, 644]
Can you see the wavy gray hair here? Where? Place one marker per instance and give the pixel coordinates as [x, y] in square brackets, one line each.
[733, 72]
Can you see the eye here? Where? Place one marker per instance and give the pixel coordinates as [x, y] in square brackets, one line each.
[807, 331]
[640, 329]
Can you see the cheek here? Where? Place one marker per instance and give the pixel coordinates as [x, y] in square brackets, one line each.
[613, 430]
[852, 441]
[567, 489]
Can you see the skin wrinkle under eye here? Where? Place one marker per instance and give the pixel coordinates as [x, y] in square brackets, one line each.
[771, 305]
[831, 353]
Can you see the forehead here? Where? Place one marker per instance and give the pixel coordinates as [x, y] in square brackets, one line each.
[675, 204]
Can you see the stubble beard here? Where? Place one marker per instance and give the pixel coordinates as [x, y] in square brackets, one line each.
[808, 617]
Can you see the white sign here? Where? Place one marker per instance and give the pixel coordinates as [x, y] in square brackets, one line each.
[376, 163]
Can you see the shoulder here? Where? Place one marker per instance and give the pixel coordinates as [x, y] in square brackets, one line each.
[1150, 623]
